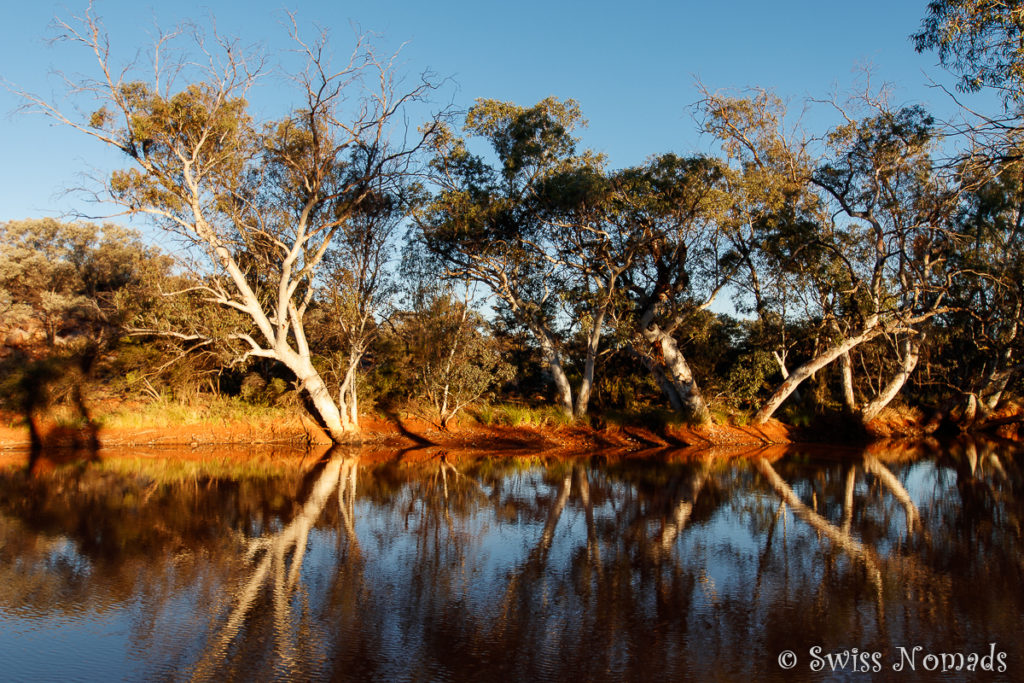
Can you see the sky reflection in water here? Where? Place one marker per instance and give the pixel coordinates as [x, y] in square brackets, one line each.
[427, 566]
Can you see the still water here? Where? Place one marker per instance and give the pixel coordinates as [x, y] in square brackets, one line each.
[427, 566]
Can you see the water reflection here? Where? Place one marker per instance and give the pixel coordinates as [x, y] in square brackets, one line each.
[433, 566]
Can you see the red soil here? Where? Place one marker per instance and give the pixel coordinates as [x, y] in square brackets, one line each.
[403, 433]
[408, 433]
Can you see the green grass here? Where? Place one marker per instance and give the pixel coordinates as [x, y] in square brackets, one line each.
[514, 415]
[797, 415]
[168, 413]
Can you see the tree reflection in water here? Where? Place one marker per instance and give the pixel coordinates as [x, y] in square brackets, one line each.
[428, 566]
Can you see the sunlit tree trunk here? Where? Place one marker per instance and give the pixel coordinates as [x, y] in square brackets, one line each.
[313, 384]
[846, 373]
[587, 383]
[563, 390]
[911, 354]
[679, 374]
[347, 396]
[780, 360]
[807, 369]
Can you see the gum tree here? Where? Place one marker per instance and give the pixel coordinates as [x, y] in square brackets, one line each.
[982, 41]
[358, 292]
[860, 238]
[774, 247]
[666, 217]
[985, 330]
[507, 226]
[897, 212]
[260, 201]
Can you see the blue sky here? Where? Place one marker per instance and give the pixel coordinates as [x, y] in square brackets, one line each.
[632, 67]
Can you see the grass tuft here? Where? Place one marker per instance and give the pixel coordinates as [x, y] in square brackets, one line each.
[515, 415]
[169, 413]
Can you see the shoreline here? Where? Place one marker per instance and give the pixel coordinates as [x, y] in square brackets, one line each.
[294, 429]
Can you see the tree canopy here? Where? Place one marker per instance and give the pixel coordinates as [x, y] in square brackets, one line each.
[873, 260]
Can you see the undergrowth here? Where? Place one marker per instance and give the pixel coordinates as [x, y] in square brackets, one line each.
[514, 415]
[169, 413]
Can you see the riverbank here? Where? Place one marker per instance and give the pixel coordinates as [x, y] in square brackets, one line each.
[124, 424]
[395, 431]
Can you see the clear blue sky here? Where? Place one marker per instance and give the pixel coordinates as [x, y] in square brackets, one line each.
[631, 66]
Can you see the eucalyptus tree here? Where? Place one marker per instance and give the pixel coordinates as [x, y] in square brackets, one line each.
[861, 237]
[615, 242]
[665, 215]
[455, 358]
[898, 210]
[358, 291]
[980, 40]
[774, 252]
[260, 201]
[507, 227]
[60, 277]
[985, 329]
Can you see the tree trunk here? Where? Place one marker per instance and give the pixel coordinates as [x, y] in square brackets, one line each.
[563, 391]
[997, 380]
[846, 372]
[807, 369]
[780, 360]
[971, 408]
[679, 373]
[662, 380]
[587, 384]
[347, 398]
[353, 406]
[325, 407]
[911, 353]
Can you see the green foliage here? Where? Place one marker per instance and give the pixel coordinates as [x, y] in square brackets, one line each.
[748, 378]
[981, 40]
[515, 415]
[68, 278]
[455, 359]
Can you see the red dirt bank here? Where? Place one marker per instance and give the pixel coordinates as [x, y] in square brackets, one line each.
[404, 433]
[413, 432]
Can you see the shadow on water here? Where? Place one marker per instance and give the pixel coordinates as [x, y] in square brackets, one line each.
[669, 566]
